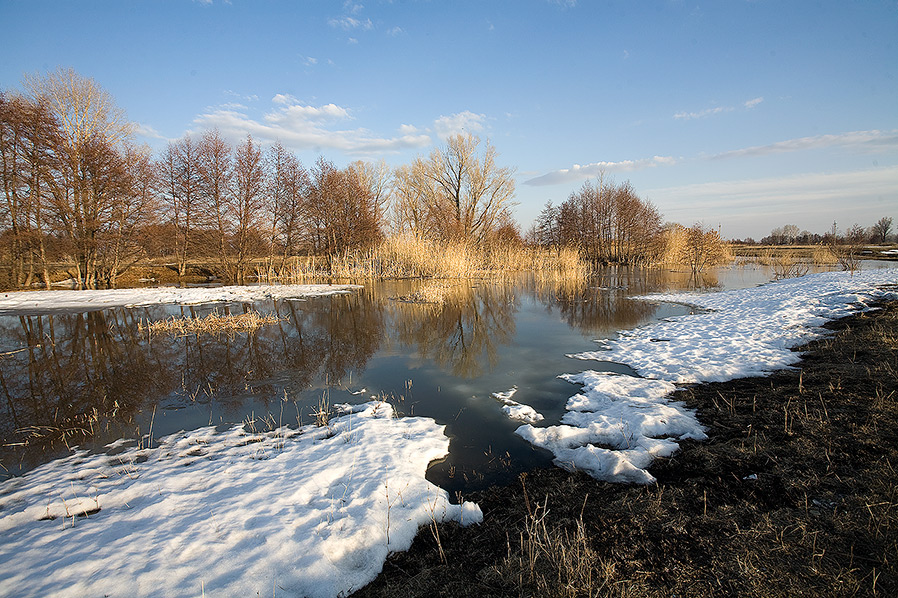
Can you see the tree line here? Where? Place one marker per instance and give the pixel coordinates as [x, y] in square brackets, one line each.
[789, 234]
[78, 190]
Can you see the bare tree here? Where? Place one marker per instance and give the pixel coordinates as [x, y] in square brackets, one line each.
[457, 192]
[249, 186]
[90, 174]
[608, 223]
[287, 192]
[28, 135]
[703, 248]
[881, 230]
[215, 169]
[343, 209]
[180, 187]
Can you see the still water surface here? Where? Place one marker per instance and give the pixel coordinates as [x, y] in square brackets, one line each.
[96, 371]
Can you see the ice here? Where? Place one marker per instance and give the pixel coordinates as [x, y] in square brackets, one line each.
[27, 302]
[515, 410]
[617, 425]
[311, 512]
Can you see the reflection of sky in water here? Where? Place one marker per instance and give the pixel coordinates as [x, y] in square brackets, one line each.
[95, 371]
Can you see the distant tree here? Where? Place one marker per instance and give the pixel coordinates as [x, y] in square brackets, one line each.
[881, 230]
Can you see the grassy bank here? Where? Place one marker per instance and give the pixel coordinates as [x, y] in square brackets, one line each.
[794, 494]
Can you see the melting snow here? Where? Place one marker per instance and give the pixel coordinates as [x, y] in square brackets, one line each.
[311, 512]
[23, 302]
[618, 424]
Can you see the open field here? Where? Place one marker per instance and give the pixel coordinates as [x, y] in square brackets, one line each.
[815, 253]
[794, 494]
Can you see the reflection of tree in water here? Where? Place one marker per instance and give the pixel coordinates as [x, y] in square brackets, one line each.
[601, 304]
[80, 372]
[465, 331]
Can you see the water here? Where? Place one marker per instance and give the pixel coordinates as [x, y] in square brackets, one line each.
[97, 373]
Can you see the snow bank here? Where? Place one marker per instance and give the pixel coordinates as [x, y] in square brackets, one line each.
[515, 410]
[23, 302]
[618, 424]
[311, 512]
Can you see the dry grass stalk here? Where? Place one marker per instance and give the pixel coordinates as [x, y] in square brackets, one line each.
[214, 323]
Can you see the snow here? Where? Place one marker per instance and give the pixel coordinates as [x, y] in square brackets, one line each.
[29, 302]
[311, 512]
[617, 425]
[515, 410]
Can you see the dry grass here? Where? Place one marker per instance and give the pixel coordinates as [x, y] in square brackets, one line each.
[214, 323]
[408, 256]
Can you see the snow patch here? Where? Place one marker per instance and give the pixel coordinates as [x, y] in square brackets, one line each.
[311, 512]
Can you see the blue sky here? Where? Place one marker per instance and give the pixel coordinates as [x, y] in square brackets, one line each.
[743, 114]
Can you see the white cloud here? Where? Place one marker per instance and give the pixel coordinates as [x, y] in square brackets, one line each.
[395, 31]
[579, 172]
[281, 98]
[753, 102]
[309, 61]
[702, 113]
[348, 23]
[870, 140]
[461, 122]
[303, 127]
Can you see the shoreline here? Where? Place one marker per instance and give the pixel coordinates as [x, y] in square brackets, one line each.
[794, 493]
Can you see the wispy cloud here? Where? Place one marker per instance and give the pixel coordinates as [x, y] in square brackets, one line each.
[348, 23]
[869, 140]
[304, 127]
[702, 113]
[748, 105]
[149, 132]
[461, 122]
[577, 172]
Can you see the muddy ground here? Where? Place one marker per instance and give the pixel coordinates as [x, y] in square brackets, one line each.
[794, 494]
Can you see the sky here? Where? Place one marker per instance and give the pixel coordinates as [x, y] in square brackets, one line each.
[743, 115]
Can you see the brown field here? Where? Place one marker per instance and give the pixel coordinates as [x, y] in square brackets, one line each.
[794, 494]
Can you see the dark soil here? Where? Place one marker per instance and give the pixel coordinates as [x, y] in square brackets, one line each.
[794, 494]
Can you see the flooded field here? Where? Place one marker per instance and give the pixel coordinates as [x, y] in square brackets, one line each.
[91, 378]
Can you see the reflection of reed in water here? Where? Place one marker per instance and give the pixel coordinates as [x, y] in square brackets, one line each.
[464, 331]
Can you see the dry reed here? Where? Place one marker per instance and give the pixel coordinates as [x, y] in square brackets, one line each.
[410, 256]
[214, 323]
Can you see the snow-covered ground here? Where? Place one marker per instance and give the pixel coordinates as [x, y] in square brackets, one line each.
[31, 302]
[311, 512]
[618, 424]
